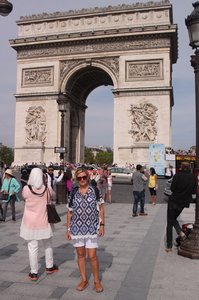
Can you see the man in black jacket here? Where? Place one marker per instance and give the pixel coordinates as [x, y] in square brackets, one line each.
[183, 186]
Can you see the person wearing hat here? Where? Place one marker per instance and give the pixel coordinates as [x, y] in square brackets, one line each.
[183, 186]
[10, 187]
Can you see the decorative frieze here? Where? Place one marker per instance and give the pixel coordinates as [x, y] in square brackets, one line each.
[128, 15]
[144, 70]
[141, 92]
[35, 125]
[143, 122]
[111, 63]
[84, 11]
[37, 76]
[93, 46]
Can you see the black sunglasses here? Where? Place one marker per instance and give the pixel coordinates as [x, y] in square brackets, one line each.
[79, 178]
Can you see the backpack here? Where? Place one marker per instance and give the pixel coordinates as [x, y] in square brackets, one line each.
[93, 182]
[75, 189]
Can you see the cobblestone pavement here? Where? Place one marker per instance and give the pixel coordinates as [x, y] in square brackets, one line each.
[133, 263]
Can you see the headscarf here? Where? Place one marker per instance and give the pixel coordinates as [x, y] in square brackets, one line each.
[36, 178]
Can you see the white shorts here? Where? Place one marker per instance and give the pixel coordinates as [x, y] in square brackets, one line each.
[85, 242]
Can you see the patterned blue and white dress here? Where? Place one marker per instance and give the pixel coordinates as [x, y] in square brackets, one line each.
[85, 219]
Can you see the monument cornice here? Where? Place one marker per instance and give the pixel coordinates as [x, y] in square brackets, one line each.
[144, 91]
[97, 10]
[141, 90]
[36, 96]
[94, 34]
[135, 146]
[105, 44]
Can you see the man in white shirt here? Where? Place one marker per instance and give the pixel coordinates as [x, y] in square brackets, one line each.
[52, 180]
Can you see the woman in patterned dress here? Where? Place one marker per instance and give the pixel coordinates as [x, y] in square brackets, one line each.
[85, 221]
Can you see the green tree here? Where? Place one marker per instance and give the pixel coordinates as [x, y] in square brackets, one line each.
[89, 157]
[6, 155]
[104, 157]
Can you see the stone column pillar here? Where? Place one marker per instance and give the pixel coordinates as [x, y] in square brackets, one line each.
[67, 130]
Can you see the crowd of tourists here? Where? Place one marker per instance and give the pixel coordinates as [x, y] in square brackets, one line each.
[87, 191]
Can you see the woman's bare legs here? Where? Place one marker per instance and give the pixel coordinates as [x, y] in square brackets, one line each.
[81, 260]
[109, 196]
[153, 199]
[92, 255]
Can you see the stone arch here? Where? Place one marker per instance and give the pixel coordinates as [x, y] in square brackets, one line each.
[100, 64]
[77, 84]
[130, 47]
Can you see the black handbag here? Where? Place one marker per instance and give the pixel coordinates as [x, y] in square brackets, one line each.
[4, 196]
[53, 216]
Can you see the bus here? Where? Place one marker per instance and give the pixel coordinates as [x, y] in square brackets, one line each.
[185, 158]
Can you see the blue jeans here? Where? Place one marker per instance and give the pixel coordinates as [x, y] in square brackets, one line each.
[138, 197]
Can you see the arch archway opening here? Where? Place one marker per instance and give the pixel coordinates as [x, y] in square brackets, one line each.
[99, 118]
[80, 88]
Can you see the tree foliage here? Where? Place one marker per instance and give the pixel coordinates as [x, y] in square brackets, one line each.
[89, 157]
[6, 155]
[104, 157]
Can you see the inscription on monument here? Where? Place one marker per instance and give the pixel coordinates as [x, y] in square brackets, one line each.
[143, 122]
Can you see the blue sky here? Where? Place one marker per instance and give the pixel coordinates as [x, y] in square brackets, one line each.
[99, 121]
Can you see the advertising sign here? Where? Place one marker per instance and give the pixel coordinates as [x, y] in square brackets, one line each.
[156, 158]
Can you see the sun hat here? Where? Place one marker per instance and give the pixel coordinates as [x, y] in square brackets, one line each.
[9, 172]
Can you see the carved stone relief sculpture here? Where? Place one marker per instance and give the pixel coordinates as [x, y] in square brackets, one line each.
[37, 76]
[96, 46]
[35, 125]
[148, 70]
[110, 62]
[143, 122]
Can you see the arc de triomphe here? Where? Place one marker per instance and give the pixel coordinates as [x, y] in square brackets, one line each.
[128, 47]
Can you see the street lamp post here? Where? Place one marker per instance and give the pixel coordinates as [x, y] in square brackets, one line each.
[5, 7]
[62, 104]
[190, 247]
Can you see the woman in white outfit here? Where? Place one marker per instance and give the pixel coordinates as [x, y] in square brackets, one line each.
[34, 225]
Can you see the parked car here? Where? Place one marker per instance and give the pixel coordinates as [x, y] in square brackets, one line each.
[30, 167]
[168, 192]
[122, 175]
[91, 168]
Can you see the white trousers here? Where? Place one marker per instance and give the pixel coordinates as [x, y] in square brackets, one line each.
[33, 248]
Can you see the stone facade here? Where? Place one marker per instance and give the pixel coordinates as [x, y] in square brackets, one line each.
[129, 47]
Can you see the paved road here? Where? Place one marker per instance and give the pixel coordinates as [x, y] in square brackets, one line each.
[123, 193]
[133, 263]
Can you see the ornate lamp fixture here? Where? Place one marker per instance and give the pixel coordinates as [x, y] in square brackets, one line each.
[192, 23]
[5, 7]
[62, 105]
[190, 247]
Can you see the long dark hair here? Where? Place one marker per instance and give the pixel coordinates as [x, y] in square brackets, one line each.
[152, 171]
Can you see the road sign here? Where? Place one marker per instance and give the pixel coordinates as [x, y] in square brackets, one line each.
[60, 149]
